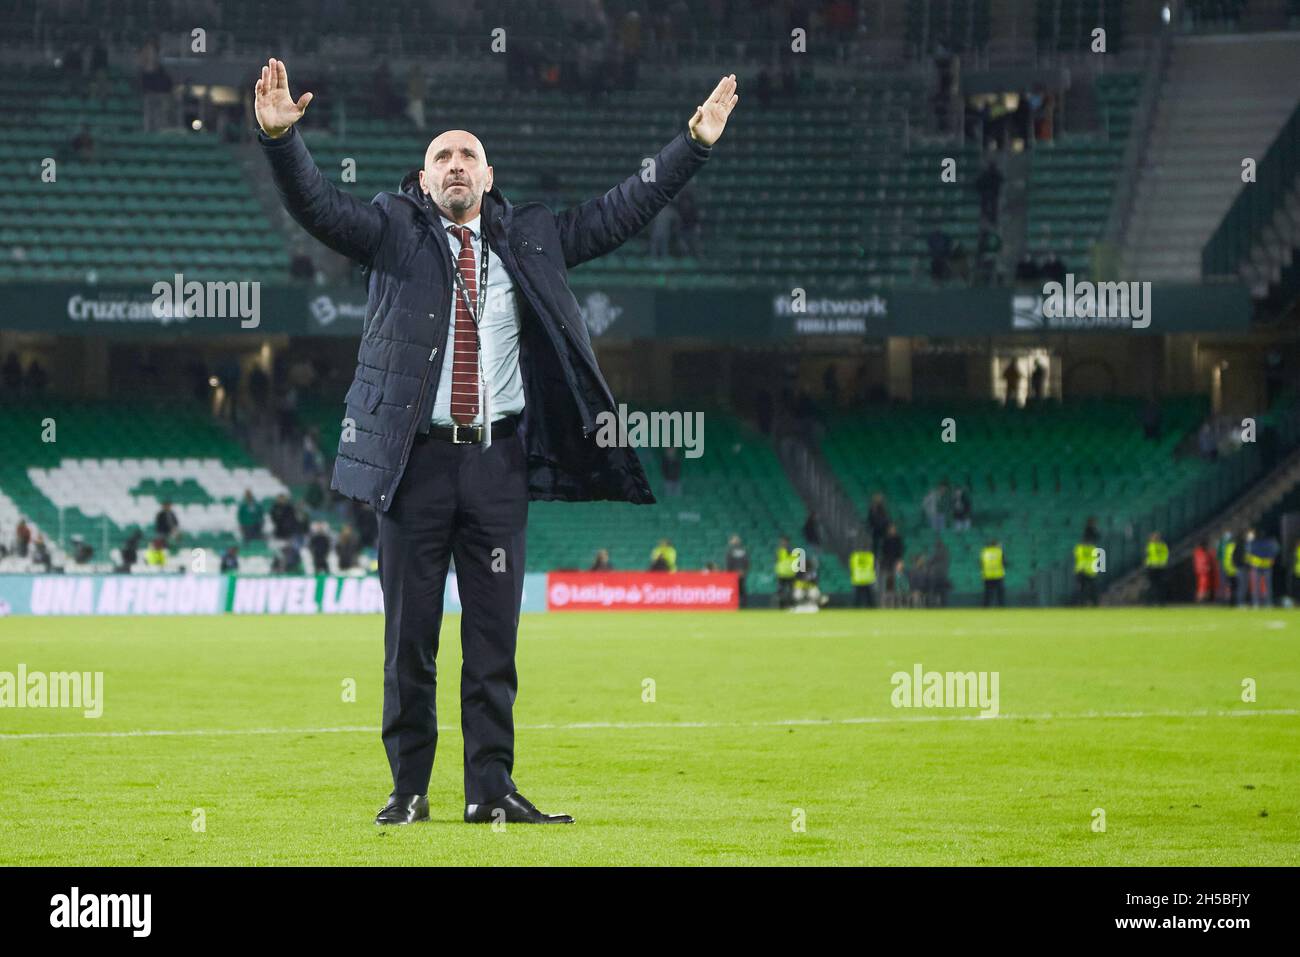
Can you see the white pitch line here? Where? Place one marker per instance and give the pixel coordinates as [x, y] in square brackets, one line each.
[639, 725]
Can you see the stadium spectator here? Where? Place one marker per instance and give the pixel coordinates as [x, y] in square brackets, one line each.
[940, 582]
[36, 379]
[1157, 566]
[878, 519]
[663, 557]
[347, 549]
[891, 559]
[166, 525]
[1204, 568]
[22, 537]
[81, 550]
[918, 581]
[862, 575]
[994, 573]
[738, 561]
[284, 519]
[1027, 270]
[1228, 558]
[155, 88]
[601, 562]
[1261, 554]
[155, 556]
[319, 545]
[670, 464]
[961, 508]
[230, 560]
[1087, 566]
[786, 567]
[988, 184]
[311, 457]
[131, 550]
[1011, 378]
[935, 505]
[41, 553]
[939, 244]
[287, 561]
[250, 517]
[1037, 377]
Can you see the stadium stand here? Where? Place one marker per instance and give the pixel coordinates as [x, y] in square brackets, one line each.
[109, 467]
[137, 207]
[1035, 475]
[1072, 178]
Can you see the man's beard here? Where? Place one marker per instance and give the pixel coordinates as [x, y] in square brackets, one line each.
[459, 202]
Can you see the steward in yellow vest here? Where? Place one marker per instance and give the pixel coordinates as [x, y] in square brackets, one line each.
[787, 566]
[1157, 562]
[664, 557]
[1086, 554]
[862, 575]
[993, 571]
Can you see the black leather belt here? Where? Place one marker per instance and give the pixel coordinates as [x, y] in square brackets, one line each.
[502, 428]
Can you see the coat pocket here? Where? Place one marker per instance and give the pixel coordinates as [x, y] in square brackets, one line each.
[364, 395]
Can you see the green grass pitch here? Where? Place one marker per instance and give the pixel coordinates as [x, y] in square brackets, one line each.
[1138, 713]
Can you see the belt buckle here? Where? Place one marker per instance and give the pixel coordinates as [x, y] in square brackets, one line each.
[455, 434]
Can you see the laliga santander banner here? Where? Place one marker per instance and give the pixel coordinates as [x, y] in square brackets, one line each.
[645, 591]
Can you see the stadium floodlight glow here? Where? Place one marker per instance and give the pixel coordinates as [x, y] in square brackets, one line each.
[196, 125]
[1164, 14]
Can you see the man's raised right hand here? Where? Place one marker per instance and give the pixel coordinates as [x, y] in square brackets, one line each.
[276, 109]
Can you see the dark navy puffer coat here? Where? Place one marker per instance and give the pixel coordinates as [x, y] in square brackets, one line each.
[399, 239]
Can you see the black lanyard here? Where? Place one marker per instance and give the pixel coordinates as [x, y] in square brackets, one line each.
[474, 307]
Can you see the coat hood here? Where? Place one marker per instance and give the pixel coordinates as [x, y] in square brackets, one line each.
[495, 205]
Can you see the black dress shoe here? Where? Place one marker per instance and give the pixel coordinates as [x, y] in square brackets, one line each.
[404, 809]
[514, 808]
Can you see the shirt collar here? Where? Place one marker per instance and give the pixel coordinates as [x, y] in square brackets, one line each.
[472, 225]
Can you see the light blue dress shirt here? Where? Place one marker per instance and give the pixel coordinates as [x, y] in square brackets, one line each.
[498, 335]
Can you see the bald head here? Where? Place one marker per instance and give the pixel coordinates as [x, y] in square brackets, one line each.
[456, 174]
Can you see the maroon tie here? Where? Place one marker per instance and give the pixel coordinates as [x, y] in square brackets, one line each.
[464, 360]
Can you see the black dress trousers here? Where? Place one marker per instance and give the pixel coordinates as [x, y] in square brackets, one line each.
[470, 504]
